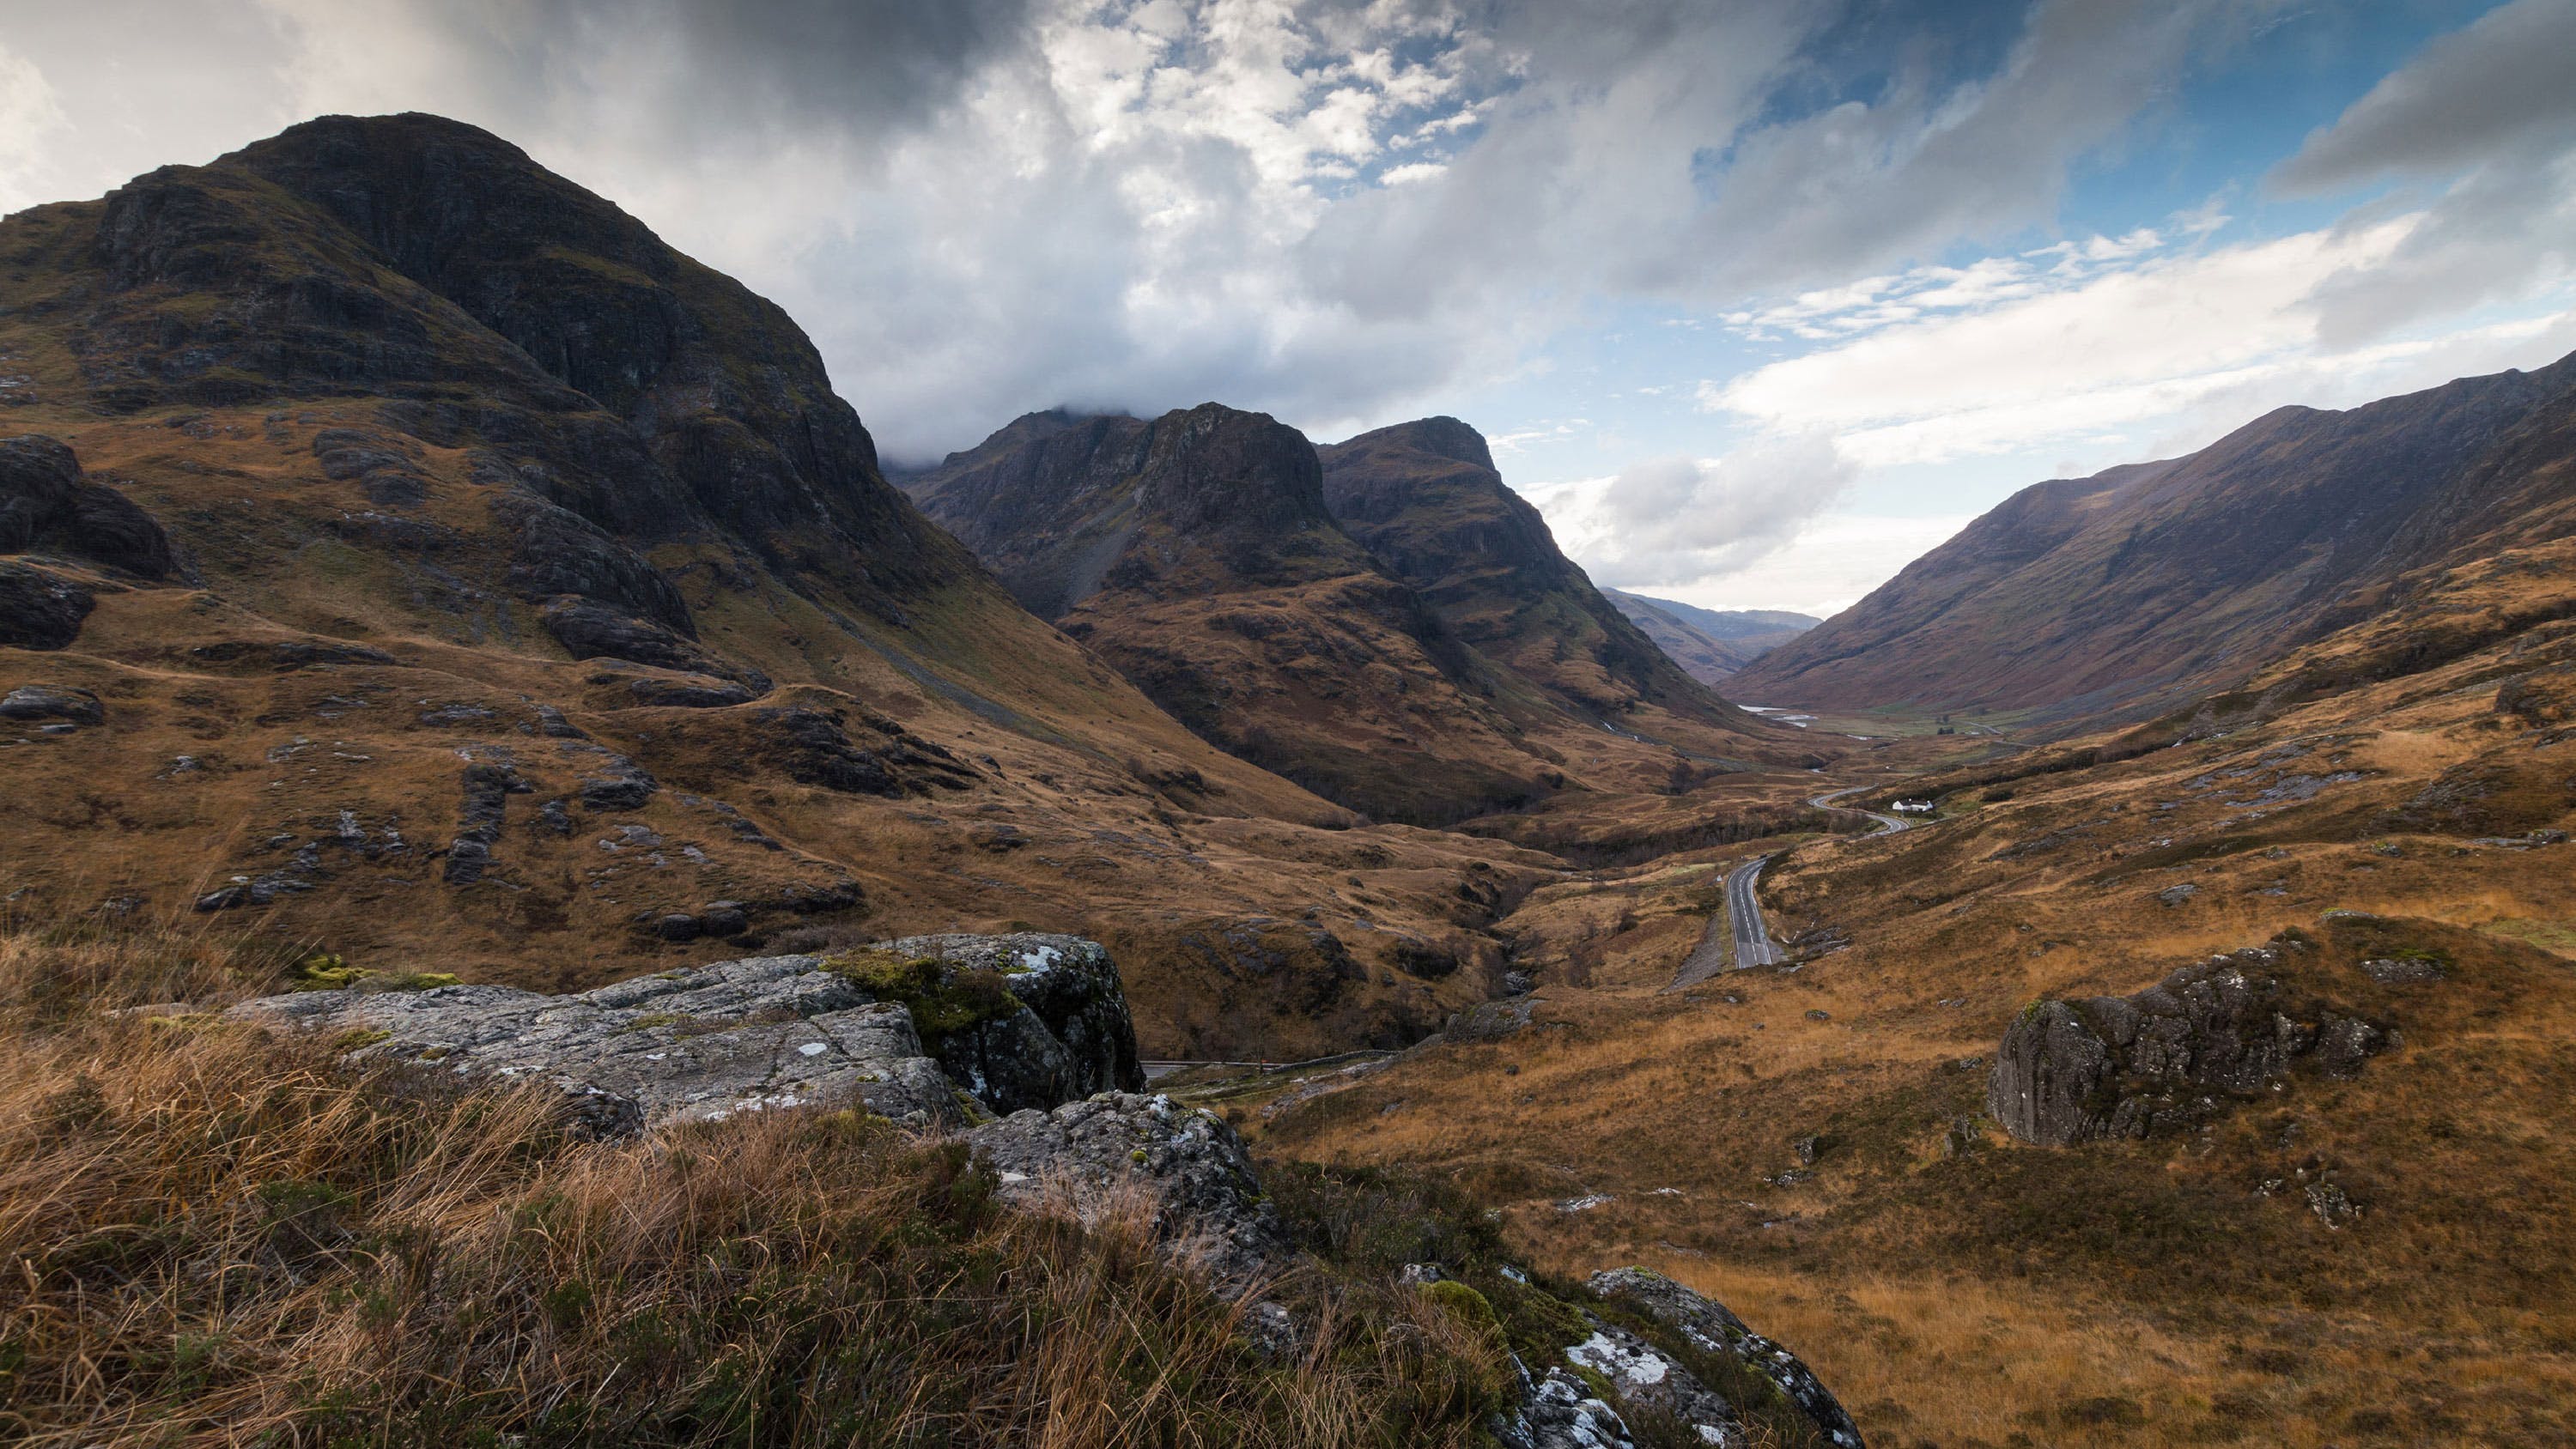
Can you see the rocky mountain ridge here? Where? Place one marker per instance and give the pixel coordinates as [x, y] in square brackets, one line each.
[1393, 627]
[450, 571]
[2122, 594]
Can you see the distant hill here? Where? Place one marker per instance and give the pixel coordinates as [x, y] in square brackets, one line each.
[1199, 554]
[2113, 596]
[1712, 644]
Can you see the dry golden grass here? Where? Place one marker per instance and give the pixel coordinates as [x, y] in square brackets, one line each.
[2117, 1293]
[216, 1237]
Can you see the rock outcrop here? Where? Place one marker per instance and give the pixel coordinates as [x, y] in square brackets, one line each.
[2210, 1034]
[1710, 1328]
[47, 504]
[1426, 499]
[1187, 1168]
[771, 1032]
[1618, 1374]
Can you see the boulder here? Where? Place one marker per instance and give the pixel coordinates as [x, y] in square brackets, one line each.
[2113, 1066]
[749, 1035]
[48, 701]
[40, 609]
[45, 503]
[1709, 1327]
[1184, 1166]
[1024, 1020]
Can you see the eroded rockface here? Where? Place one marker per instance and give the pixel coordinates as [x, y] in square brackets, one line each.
[2211, 1034]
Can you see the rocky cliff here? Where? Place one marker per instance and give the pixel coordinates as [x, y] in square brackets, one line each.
[1426, 499]
[1202, 553]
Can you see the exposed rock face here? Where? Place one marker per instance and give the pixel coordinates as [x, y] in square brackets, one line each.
[750, 1035]
[2172, 1055]
[1425, 498]
[1712, 1329]
[46, 504]
[1187, 1165]
[1078, 1039]
[1560, 1412]
[1196, 555]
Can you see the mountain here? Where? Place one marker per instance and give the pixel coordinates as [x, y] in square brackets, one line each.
[1199, 553]
[2118, 595]
[403, 548]
[1426, 499]
[1710, 643]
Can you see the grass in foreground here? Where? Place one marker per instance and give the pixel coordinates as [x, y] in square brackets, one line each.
[219, 1237]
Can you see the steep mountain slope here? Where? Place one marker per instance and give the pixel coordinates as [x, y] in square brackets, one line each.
[1197, 554]
[406, 548]
[1710, 644]
[2114, 595]
[1425, 498]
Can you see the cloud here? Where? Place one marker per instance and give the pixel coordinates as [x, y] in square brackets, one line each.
[1833, 561]
[30, 117]
[1670, 520]
[2166, 344]
[2492, 90]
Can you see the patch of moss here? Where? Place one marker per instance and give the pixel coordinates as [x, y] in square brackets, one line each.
[324, 971]
[943, 1000]
[357, 1037]
[1464, 1303]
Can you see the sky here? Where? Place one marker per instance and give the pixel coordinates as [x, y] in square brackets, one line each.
[1756, 300]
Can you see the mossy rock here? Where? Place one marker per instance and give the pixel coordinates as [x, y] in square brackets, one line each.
[944, 1000]
[1463, 1302]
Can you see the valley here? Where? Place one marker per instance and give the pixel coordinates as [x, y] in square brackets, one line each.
[2114, 988]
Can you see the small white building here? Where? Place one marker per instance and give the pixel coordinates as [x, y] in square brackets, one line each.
[1912, 807]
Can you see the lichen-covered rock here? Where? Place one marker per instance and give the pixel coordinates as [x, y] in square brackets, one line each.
[1709, 1327]
[1560, 1411]
[1645, 1381]
[743, 1036]
[1183, 1165]
[2113, 1066]
[768, 1032]
[1073, 1037]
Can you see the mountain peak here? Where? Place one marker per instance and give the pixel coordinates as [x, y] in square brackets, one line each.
[1442, 437]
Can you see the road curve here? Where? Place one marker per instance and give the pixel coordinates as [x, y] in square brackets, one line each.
[1746, 942]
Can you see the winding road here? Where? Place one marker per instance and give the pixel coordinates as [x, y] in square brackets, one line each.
[1746, 942]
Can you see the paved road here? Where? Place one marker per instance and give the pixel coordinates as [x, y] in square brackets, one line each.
[1747, 942]
[1887, 824]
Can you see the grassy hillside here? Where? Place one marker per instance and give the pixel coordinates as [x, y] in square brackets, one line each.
[1814, 1140]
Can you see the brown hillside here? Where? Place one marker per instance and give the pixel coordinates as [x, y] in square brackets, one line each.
[437, 568]
[2123, 593]
[2358, 1261]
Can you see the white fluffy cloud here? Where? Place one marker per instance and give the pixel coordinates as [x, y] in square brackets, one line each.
[1669, 521]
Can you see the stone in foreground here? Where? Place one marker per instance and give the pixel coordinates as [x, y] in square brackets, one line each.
[1184, 1166]
[759, 1034]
